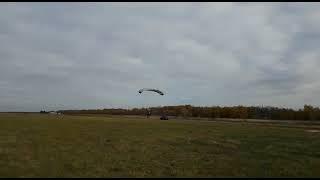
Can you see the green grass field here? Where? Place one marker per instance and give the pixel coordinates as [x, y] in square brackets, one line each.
[34, 145]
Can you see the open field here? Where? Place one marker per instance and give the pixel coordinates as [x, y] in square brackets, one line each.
[34, 145]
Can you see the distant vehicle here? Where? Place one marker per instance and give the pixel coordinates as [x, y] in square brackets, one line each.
[164, 117]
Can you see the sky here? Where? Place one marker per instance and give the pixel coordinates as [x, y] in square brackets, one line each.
[85, 55]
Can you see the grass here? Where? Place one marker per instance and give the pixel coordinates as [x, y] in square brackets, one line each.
[34, 145]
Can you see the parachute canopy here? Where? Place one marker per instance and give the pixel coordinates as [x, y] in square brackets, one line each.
[154, 90]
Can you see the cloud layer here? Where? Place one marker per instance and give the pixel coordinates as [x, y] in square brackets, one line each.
[98, 55]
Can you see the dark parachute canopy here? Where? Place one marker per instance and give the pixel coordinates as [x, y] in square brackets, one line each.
[149, 89]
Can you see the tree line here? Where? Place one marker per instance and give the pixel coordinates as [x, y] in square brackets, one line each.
[238, 112]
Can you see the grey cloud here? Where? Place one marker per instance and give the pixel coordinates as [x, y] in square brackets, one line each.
[96, 55]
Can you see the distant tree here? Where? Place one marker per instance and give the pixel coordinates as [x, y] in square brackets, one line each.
[309, 112]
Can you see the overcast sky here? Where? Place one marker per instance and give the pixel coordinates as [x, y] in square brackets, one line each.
[98, 55]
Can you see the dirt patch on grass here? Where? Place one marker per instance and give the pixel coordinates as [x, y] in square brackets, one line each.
[313, 130]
